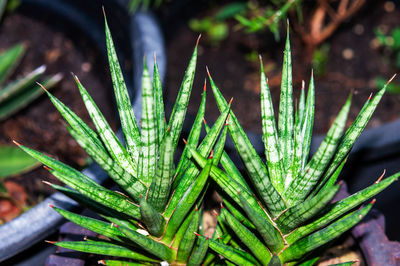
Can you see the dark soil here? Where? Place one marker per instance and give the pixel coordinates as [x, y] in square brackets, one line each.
[239, 78]
[40, 126]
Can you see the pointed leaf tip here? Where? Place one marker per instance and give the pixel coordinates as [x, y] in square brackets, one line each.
[390, 80]
[205, 84]
[230, 101]
[380, 178]
[208, 72]
[373, 201]
[204, 121]
[227, 119]
[198, 40]
[211, 154]
[16, 143]
[50, 242]
[184, 141]
[47, 183]
[102, 262]
[51, 206]
[41, 86]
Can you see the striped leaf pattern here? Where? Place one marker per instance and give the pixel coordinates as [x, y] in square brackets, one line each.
[127, 117]
[254, 165]
[148, 220]
[272, 152]
[294, 216]
[285, 121]
[148, 133]
[156, 214]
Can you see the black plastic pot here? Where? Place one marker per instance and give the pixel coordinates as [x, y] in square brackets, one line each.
[134, 37]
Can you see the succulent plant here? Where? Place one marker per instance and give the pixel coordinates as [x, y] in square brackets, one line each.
[18, 94]
[156, 210]
[286, 213]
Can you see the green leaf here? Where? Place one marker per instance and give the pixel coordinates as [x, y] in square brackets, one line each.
[341, 207]
[97, 226]
[157, 249]
[199, 253]
[301, 212]
[130, 184]
[230, 167]
[78, 125]
[110, 140]
[104, 248]
[317, 239]
[192, 140]
[352, 134]
[159, 103]
[271, 145]
[182, 229]
[100, 194]
[237, 256]
[313, 171]
[186, 202]
[9, 59]
[188, 239]
[308, 122]
[148, 133]
[159, 191]
[85, 185]
[230, 186]
[105, 212]
[181, 103]
[151, 218]
[127, 117]
[15, 161]
[254, 165]
[237, 212]
[275, 261]
[285, 121]
[18, 86]
[192, 171]
[26, 95]
[121, 263]
[271, 236]
[247, 237]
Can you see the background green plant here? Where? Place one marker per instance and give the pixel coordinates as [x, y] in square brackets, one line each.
[19, 93]
[14, 161]
[285, 214]
[252, 16]
[391, 45]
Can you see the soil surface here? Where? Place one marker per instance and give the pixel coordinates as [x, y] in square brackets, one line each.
[354, 63]
[40, 126]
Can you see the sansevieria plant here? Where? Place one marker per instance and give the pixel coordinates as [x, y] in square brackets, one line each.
[285, 213]
[154, 214]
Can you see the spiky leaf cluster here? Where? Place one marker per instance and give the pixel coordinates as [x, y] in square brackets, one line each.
[154, 215]
[286, 213]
